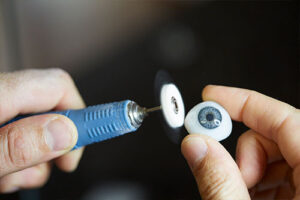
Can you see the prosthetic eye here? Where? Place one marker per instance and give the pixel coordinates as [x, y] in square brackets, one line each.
[209, 118]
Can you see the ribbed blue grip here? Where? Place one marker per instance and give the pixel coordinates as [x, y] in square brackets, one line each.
[97, 123]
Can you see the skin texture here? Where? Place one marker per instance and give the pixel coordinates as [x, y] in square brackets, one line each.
[267, 155]
[27, 145]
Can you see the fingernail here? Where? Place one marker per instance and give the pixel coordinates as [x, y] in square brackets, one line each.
[195, 150]
[58, 135]
[12, 189]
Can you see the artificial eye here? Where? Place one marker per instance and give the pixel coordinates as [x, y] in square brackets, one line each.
[209, 118]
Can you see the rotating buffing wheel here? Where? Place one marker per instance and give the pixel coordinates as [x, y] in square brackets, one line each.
[173, 113]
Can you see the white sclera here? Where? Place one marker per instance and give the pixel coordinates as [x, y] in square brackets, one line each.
[173, 118]
[219, 133]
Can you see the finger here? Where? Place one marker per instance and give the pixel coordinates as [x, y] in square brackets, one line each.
[253, 153]
[36, 91]
[216, 173]
[296, 197]
[34, 140]
[273, 119]
[276, 182]
[32, 177]
[265, 195]
[285, 192]
[69, 161]
[276, 175]
[296, 179]
[287, 189]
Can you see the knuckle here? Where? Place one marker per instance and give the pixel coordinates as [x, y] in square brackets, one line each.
[252, 93]
[283, 127]
[63, 77]
[62, 74]
[251, 98]
[17, 152]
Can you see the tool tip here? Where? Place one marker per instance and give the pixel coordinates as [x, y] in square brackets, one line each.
[148, 110]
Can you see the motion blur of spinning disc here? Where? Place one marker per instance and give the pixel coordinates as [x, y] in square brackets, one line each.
[168, 96]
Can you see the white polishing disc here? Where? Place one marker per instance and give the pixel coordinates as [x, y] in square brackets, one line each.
[172, 105]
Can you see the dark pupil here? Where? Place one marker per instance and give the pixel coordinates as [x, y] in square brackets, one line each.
[209, 117]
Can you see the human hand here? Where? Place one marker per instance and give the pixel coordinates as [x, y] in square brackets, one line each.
[267, 155]
[28, 144]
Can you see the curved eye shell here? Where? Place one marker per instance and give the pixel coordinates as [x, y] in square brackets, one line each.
[209, 118]
[172, 105]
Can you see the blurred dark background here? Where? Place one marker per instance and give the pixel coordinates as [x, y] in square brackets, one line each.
[113, 51]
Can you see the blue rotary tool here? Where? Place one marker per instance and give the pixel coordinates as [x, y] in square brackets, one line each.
[102, 122]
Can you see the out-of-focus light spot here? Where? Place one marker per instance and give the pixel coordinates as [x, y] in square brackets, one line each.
[177, 46]
[118, 190]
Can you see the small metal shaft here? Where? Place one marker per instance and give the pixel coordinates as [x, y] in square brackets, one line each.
[137, 113]
[153, 109]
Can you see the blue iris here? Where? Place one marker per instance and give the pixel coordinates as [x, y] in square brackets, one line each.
[210, 117]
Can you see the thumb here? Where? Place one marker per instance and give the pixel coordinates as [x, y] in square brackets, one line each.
[34, 140]
[216, 173]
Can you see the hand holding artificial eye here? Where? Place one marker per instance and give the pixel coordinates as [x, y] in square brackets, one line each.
[267, 155]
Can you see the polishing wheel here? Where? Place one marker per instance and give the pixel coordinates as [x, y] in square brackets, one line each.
[173, 113]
